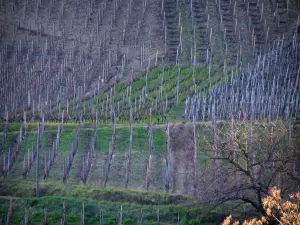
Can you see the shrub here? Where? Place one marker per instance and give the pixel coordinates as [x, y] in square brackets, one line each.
[278, 211]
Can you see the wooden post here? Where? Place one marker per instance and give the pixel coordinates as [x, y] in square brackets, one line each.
[82, 215]
[150, 138]
[64, 216]
[121, 216]
[26, 217]
[25, 124]
[37, 175]
[141, 217]
[9, 213]
[168, 159]
[130, 147]
[214, 143]
[195, 155]
[101, 222]
[45, 221]
[111, 151]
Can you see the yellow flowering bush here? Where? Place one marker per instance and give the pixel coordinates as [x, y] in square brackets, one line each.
[278, 210]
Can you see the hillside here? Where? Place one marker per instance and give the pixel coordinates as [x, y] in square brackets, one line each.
[55, 51]
[171, 171]
[147, 112]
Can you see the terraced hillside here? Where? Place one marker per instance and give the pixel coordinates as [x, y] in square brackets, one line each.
[59, 50]
[147, 112]
[171, 168]
[73, 46]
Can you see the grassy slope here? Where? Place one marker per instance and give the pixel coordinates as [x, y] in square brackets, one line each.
[131, 212]
[54, 186]
[137, 178]
[108, 200]
[15, 185]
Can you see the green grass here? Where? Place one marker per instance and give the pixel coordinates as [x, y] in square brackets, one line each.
[107, 200]
[83, 147]
[115, 194]
[24, 188]
[66, 139]
[137, 179]
[9, 142]
[131, 212]
[14, 127]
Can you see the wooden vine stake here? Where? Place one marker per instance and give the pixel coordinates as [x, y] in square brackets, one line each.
[37, 175]
[45, 221]
[195, 155]
[214, 142]
[64, 216]
[168, 158]
[82, 222]
[26, 217]
[111, 151]
[121, 216]
[9, 213]
[101, 221]
[141, 217]
[130, 147]
[150, 140]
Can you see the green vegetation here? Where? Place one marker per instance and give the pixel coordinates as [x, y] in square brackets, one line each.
[161, 84]
[53, 191]
[107, 200]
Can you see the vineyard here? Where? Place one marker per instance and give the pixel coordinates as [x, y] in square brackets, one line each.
[101, 165]
[147, 111]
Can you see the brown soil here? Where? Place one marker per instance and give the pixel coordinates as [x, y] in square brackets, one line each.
[181, 159]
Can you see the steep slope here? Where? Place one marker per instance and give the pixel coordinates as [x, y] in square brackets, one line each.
[59, 50]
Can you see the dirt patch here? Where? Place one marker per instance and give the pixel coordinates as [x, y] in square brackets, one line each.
[181, 159]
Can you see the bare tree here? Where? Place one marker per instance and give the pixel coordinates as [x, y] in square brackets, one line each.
[247, 167]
